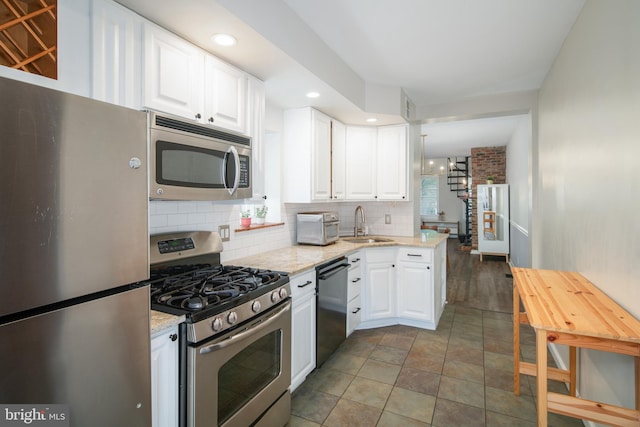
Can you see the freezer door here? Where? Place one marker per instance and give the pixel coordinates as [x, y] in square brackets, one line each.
[94, 357]
[73, 191]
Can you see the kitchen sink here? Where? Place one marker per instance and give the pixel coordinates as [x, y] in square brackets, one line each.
[365, 239]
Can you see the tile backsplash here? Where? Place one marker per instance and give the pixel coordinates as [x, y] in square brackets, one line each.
[171, 216]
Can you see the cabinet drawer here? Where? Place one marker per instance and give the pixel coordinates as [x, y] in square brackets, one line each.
[303, 284]
[354, 314]
[354, 283]
[415, 255]
[355, 260]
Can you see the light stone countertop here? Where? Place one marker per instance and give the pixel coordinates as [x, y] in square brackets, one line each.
[161, 321]
[298, 258]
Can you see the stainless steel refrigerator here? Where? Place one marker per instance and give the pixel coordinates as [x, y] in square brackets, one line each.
[73, 237]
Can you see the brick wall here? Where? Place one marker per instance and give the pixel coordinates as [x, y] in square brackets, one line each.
[485, 161]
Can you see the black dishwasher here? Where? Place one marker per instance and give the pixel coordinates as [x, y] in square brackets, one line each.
[331, 325]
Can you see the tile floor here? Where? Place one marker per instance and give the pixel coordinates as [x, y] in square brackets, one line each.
[459, 375]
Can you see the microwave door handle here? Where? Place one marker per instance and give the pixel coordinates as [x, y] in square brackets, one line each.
[236, 180]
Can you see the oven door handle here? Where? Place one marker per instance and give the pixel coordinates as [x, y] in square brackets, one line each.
[247, 332]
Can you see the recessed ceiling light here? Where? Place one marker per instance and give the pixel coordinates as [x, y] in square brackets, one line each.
[372, 120]
[224, 39]
[313, 95]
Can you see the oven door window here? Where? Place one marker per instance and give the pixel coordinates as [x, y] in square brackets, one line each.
[188, 166]
[331, 230]
[247, 373]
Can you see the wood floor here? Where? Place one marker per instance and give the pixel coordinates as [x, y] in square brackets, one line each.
[474, 284]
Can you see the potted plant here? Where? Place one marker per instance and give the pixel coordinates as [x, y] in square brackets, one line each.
[245, 218]
[260, 214]
[490, 180]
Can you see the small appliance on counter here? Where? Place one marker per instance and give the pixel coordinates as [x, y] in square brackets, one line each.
[317, 228]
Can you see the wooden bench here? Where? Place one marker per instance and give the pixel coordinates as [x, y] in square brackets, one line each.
[565, 308]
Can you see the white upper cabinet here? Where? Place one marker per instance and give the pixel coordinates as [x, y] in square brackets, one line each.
[183, 80]
[255, 122]
[391, 175]
[116, 54]
[306, 176]
[361, 163]
[173, 70]
[338, 160]
[225, 95]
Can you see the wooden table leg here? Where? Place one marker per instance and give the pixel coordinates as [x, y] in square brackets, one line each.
[637, 358]
[516, 341]
[572, 371]
[541, 368]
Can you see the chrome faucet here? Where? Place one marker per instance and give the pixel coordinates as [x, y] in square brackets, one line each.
[359, 231]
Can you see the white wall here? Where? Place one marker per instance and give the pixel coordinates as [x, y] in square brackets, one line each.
[519, 180]
[586, 189]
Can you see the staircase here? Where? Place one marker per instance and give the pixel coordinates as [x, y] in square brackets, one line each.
[458, 179]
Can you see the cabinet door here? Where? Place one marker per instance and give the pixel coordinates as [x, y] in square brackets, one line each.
[303, 339]
[338, 160]
[361, 163]
[225, 95]
[380, 295]
[164, 378]
[173, 71]
[117, 48]
[415, 290]
[321, 156]
[392, 163]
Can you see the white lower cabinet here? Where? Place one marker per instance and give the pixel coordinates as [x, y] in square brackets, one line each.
[303, 323]
[405, 285]
[379, 292]
[415, 284]
[164, 378]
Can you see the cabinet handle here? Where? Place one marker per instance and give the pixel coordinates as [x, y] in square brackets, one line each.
[198, 116]
[356, 260]
[418, 255]
[308, 282]
[173, 337]
[393, 266]
[356, 310]
[264, 197]
[357, 279]
[428, 268]
[211, 119]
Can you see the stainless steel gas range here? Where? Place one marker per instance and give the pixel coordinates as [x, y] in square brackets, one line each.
[236, 341]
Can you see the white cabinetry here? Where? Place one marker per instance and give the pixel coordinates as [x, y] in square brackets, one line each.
[255, 120]
[361, 163]
[164, 378]
[225, 95]
[391, 176]
[306, 156]
[303, 322]
[183, 80]
[376, 163]
[405, 286]
[116, 49]
[379, 291]
[173, 70]
[354, 283]
[338, 160]
[415, 284]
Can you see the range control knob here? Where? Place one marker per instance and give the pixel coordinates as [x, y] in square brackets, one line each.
[275, 297]
[216, 325]
[256, 306]
[232, 318]
[283, 293]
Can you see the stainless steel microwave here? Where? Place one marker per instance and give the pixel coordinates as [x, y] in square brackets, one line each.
[192, 161]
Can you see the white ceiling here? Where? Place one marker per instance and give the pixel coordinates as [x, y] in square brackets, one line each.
[359, 54]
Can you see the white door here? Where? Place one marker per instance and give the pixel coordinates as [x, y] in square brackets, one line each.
[380, 293]
[361, 163]
[392, 163]
[303, 339]
[338, 160]
[164, 378]
[321, 156]
[225, 96]
[415, 291]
